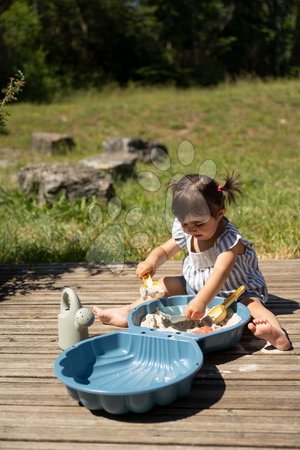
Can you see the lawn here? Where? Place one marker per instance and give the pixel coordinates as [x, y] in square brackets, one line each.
[251, 127]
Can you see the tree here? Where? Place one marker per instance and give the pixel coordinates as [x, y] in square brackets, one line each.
[98, 41]
[21, 49]
[192, 35]
[264, 35]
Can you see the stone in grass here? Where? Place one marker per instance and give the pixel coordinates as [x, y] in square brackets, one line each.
[117, 164]
[51, 143]
[146, 151]
[46, 182]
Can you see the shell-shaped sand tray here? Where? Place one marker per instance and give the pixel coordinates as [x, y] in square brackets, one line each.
[129, 371]
[218, 340]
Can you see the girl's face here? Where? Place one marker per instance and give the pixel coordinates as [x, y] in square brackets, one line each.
[202, 228]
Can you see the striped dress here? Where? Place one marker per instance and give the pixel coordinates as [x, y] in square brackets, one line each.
[197, 267]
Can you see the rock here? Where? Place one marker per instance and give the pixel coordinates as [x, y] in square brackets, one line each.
[118, 164]
[48, 181]
[116, 145]
[51, 143]
[146, 151]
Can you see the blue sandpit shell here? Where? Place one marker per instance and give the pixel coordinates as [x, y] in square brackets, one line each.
[211, 342]
[138, 368]
[125, 371]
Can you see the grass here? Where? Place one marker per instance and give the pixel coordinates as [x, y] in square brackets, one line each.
[251, 127]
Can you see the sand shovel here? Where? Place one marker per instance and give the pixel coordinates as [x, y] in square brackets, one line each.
[147, 279]
[218, 313]
[148, 282]
[150, 288]
[174, 314]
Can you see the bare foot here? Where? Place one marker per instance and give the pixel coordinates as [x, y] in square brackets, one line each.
[263, 329]
[112, 316]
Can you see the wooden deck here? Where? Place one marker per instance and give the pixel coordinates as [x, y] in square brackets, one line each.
[245, 397]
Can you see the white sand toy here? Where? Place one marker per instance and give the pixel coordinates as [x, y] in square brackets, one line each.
[73, 320]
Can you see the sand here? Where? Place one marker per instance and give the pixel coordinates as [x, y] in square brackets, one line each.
[155, 320]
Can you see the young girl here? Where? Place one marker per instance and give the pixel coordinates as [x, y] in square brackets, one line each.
[218, 261]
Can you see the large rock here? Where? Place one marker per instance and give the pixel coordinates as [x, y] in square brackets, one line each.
[118, 164]
[49, 181]
[146, 151]
[51, 143]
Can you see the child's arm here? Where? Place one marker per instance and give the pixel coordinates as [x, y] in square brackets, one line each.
[157, 257]
[223, 266]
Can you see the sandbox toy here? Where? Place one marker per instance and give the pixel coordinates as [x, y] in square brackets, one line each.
[137, 368]
[218, 340]
[129, 371]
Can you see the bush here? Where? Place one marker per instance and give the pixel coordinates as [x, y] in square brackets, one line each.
[13, 88]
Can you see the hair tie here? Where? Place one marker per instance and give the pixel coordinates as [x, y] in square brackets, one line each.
[220, 188]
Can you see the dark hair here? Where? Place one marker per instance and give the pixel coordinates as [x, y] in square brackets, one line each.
[201, 195]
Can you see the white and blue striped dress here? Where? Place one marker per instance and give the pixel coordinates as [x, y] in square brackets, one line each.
[197, 267]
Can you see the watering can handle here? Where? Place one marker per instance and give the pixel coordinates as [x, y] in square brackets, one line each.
[69, 301]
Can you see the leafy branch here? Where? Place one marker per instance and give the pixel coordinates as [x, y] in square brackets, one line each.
[11, 92]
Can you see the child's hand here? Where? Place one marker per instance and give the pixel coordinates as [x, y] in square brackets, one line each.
[194, 310]
[145, 267]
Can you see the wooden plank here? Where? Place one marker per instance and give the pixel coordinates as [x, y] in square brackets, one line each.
[48, 421]
[39, 445]
[162, 414]
[140, 437]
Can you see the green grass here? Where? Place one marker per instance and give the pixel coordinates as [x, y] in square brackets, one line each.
[251, 127]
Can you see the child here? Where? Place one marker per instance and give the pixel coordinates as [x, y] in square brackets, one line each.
[219, 259]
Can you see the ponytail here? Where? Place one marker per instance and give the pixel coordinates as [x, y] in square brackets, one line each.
[231, 187]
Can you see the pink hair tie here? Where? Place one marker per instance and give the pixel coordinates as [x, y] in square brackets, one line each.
[220, 188]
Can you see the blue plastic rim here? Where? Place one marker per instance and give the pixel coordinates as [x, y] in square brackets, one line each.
[217, 340]
[127, 371]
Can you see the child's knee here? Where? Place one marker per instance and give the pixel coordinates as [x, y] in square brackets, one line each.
[161, 281]
[252, 302]
[172, 285]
